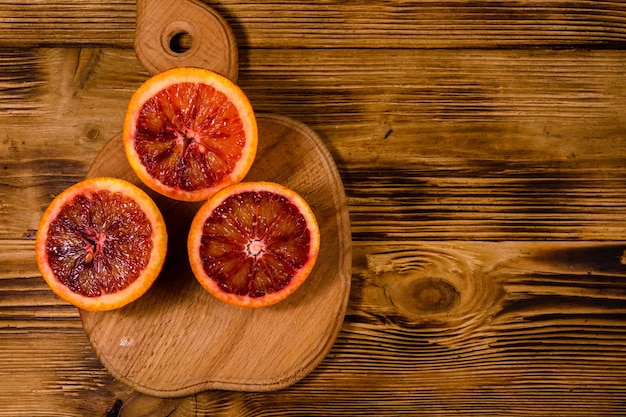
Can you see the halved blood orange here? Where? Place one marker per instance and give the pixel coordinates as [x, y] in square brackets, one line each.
[253, 243]
[101, 244]
[189, 132]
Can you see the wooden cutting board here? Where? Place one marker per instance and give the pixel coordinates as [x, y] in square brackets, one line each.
[178, 340]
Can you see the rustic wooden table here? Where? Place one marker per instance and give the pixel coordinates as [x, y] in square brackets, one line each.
[482, 147]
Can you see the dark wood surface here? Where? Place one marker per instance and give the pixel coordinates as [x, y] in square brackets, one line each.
[482, 146]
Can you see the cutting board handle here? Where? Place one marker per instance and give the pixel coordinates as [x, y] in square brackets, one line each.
[179, 33]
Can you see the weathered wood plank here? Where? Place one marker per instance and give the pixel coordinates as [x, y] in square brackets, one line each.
[443, 144]
[469, 328]
[490, 145]
[415, 24]
[53, 372]
[337, 24]
[70, 23]
[26, 302]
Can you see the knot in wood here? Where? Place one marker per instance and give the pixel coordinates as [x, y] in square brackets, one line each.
[425, 295]
[434, 286]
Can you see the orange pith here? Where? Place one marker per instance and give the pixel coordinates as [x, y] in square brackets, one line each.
[101, 244]
[253, 243]
[189, 132]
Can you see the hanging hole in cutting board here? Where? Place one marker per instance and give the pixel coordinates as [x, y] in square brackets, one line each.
[180, 42]
[178, 38]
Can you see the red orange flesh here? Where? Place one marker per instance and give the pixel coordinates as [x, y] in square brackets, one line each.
[189, 132]
[253, 243]
[101, 244]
